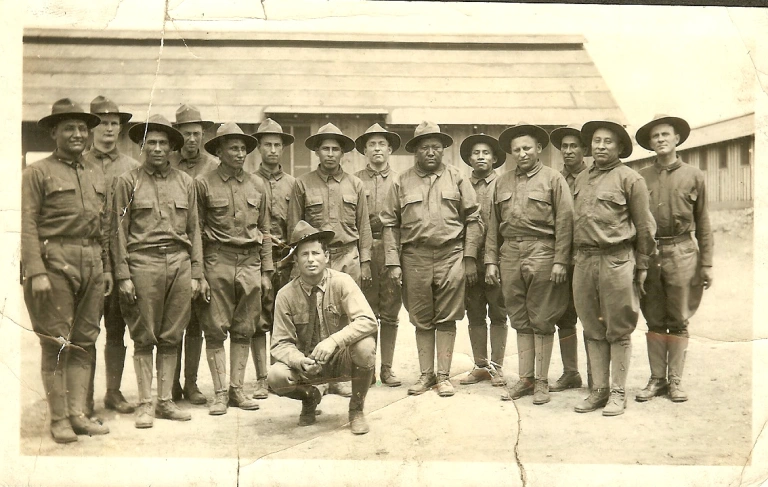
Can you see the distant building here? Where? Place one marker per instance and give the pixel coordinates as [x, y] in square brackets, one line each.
[725, 151]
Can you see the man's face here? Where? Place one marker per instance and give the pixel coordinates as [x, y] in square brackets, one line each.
[329, 152]
[70, 136]
[429, 154]
[193, 136]
[156, 149]
[312, 259]
[271, 149]
[525, 152]
[663, 139]
[572, 150]
[377, 150]
[107, 131]
[232, 153]
[605, 146]
[482, 158]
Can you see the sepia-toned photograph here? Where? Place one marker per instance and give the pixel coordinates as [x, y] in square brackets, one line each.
[352, 242]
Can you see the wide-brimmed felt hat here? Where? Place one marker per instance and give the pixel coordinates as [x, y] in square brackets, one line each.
[270, 127]
[643, 135]
[469, 143]
[557, 135]
[101, 105]
[376, 129]
[190, 114]
[522, 128]
[157, 123]
[589, 128]
[231, 130]
[427, 129]
[330, 131]
[66, 109]
[304, 232]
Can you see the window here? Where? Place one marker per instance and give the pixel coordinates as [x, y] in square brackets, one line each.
[722, 155]
[703, 162]
[745, 151]
[300, 157]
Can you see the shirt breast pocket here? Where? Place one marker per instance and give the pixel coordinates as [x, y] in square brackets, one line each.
[350, 209]
[254, 209]
[60, 195]
[313, 209]
[181, 211]
[142, 215]
[683, 201]
[412, 209]
[539, 208]
[335, 319]
[451, 203]
[216, 209]
[101, 193]
[303, 331]
[610, 207]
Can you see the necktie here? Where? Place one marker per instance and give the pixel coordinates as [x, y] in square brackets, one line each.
[314, 318]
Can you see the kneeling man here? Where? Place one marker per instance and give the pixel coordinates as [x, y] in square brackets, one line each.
[323, 331]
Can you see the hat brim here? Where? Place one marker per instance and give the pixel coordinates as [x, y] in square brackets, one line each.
[557, 136]
[90, 119]
[250, 142]
[410, 146]
[288, 139]
[643, 134]
[538, 133]
[137, 132]
[392, 138]
[469, 143]
[326, 235]
[589, 129]
[125, 117]
[347, 144]
[205, 123]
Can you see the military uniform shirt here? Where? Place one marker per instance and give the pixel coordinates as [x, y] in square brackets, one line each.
[377, 184]
[202, 163]
[279, 187]
[570, 177]
[484, 190]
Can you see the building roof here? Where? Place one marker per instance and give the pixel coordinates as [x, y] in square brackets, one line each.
[494, 80]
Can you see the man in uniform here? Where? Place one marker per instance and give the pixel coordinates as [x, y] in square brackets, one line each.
[157, 253]
[483, 153]
[437, 214]
[237, 262]
[613, 239]
[279, 187]
[66, 266]
[533, 215]
[680, 271]
[568, 141]
[105, 155]
[330, 199]
[324, 330]
[193, 161]
[377, 144]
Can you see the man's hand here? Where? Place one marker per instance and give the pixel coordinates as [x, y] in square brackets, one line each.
[205, 290]
[470, 270]
[323, 351]
[558, 274]
[492, 274]
[707, 276]
[395, 275]
[266, 283]
[365, 271]
[109, 283]
[310, 366]
[41, 287]
[640, 275]
[127, 291]
[196, 288]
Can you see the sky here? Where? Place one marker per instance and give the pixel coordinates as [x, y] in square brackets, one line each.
[694, 62]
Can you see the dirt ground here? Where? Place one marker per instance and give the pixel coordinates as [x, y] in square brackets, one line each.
[712, 428]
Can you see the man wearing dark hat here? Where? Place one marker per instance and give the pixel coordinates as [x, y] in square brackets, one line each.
[66, 268]
[529, 239]
[193, 161]
[330, 199]
[681, 270]
[237, 262]
[568, 141]
[483, 153]
[157, 253]
[279, 187]
[324, 330]
[377, 144]
[435, 210]
[105, 155]
[613, 240]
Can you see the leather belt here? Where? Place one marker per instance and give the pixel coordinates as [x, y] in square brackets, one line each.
[589, 249]
[528, 238]
[233, 249]
[673, 240]
[82, 242]
[341, 248]
[163, 249]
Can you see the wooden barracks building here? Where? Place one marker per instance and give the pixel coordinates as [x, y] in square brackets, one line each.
[465, 84]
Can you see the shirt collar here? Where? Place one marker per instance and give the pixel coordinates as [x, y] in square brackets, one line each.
[113, 154]
[437, 172]
[577, 171]
[373, 172]
[271, 175]
[75, 163]
[534, 170]
[607, 167]
[162, 172]
[192, 161]
[678, 162]
[490, 177]
[225, 173]
[338, 175]
[308, 288]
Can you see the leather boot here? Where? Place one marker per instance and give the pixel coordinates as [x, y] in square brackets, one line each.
[599, 352]
[55, 385]
[478, 339]
[114, 359]
[621, 352]
[259, 352]
[166, 408]
[217, 362]
[388, 338]
[361, 381]
[177, 392]
[498, 349]
[543, 348]
[525, 362]
[78, 377]
[142, 364]
[425, 346]
[89, 403]
[445, 338]
[657, 358]
[677, 346]
[589, 368]
[238, 360]
[569, 343]
[310, 397]
[193, 348]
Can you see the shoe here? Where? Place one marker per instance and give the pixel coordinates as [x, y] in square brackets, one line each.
[655, 387]
[115, 401]
[239, 400]
[219, 404]
[477, 374]
[597, 398]
[541, 392]
[193, 394]
[444, 386]
[497, 376]
[523, 387]
[62, 432]
[82, 425]
[144, 416]
[425, 383]
[616, 404]
[169, 410]
[310, 400]
[388, 378]
[569, 380]
[357, 423]
[261, 391]
[676, 394]
[343, 389]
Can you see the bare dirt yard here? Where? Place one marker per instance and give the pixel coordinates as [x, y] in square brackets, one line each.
[713, 428]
